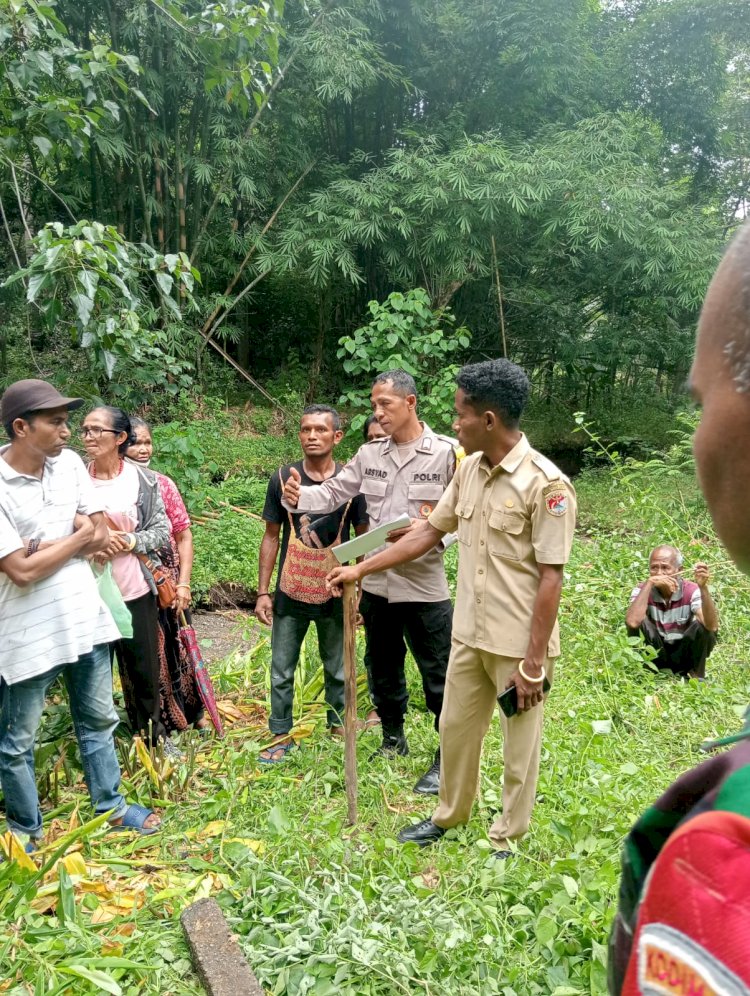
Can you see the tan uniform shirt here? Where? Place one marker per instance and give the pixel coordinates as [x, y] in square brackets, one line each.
[509, 519]
[394, 487]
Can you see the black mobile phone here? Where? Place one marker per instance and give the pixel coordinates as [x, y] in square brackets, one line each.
[508, 700]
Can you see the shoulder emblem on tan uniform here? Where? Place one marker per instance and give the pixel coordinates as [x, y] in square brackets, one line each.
[556, 497]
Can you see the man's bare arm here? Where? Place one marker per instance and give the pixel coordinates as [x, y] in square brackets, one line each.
[269, 551]
[708, 614]
[414, 544]
[543, 616]
[23, 570]
[638, 607]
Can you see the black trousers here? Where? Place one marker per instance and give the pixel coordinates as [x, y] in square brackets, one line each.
[138, 659]
[425, 627]
[685, 656]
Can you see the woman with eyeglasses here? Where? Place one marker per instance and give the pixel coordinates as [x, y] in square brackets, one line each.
[138, 523]
[181, 702]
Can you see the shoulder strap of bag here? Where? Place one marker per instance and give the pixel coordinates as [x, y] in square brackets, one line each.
[288, 513]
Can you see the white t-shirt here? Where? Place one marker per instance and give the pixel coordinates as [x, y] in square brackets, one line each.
[57, 620]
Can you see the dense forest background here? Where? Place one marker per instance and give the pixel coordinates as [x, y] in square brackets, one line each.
[197, 194]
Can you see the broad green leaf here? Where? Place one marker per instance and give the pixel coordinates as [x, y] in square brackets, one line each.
[66, 907]
[94, 975]
[37, 283]
[43, 144]
[165, 283]
[84, 306]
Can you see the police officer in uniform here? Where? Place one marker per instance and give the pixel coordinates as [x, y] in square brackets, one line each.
[515, 513]
[405, 472]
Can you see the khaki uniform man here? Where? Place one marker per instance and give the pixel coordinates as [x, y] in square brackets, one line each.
[514, 513]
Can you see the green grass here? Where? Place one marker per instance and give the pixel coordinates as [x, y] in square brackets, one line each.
[332, 909]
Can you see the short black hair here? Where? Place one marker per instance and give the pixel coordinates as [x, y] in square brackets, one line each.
[402, 381]
[26, 416]
[324, 410]
[498, 385]
[120, 423]
[365, 428]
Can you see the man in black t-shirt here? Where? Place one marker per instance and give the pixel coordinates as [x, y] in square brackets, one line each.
[301, 596]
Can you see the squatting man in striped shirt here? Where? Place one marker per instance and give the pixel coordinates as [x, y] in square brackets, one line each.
[52, 620]
[675, 616]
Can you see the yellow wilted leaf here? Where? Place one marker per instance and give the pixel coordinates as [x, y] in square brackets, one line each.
[74, 864]
[303, 730]
[145, 758]
[256, 846]
[13, 850]
[112, 949]
[230, 711]
[97, 888]
[44, 904]
[104, 913]
[121, 901]
[212, 829]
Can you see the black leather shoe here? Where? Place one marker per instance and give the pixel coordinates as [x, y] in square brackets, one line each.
[502, 855]
[423, 833]
[393, 744]
[429, 783]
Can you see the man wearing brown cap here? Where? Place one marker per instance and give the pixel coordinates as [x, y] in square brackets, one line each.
[52, 621]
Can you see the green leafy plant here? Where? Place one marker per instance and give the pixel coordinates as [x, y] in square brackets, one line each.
[120, 293]
[405, 332]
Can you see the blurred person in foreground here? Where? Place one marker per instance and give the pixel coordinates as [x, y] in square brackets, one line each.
[675, 616]
[181, 704]
[515, 515]
[682, 923]
[52, 621]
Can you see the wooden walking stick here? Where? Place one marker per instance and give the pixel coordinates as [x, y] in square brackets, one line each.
[358, 547]
[350, 700]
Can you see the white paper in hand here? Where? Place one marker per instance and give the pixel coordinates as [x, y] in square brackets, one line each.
[360, 546]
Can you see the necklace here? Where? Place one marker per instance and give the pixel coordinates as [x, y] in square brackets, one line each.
[120, 467]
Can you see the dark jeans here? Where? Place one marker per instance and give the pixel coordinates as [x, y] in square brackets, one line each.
[138, 659]
[685, 656]
[287, 637]
[425, 627]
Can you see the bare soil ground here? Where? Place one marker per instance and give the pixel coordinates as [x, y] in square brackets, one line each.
[219, 633]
